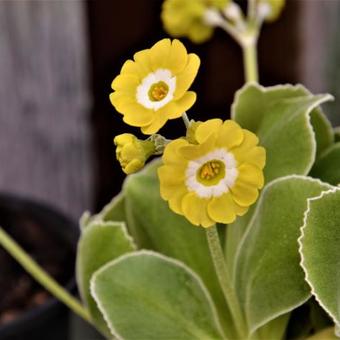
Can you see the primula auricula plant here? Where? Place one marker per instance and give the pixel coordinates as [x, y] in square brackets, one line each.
[190, 248]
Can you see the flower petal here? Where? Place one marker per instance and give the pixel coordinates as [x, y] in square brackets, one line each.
[142, 59]
[195, 210]
[125, 82]
[230, 135]
[176, 108]
[205, 129]
[137, 115]
[248, 152]
[171, 154]
[222, 209]
[250, 174]
[244, 194]
[186, 78]
[194, 151]
[157, 123]
[159, 54]
[178, 57]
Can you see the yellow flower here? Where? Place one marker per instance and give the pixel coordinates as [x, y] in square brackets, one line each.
[154, 87]
[131, 152]
[271, 9]
[216, 179]
[186, 18]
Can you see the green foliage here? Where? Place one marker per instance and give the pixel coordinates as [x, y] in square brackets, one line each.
[154, 226]
[149, 296]
[267, 274]
[327, 167]
[100, 243]
[280, 116]
[320, 252]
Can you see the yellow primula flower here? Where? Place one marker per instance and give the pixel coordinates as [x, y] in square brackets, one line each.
[131, 152]
[187, 18]
[154, 87]
[270, 10]
[215, 179]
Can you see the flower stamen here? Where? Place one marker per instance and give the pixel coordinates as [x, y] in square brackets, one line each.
[158, 91]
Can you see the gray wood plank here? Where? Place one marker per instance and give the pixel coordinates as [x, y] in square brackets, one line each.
[45, 140]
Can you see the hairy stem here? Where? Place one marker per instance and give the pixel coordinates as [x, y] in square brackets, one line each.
[225, 280]
[250, 61]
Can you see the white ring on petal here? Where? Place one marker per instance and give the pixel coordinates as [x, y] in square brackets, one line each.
[142, 93]
[223, 186]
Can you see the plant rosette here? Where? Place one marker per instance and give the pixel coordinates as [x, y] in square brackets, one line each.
[233, 232]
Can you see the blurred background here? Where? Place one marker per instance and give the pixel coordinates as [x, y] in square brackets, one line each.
[57, 61]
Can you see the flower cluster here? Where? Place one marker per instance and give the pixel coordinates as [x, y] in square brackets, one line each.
[211, 175]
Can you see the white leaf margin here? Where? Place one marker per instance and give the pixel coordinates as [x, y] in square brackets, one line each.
[323, 98]
[100, 223]
[300, 242]
[249, 226]
[177, 263]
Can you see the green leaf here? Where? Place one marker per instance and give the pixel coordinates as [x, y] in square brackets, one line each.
[322, 127]
[336, 132]
[145, 295]
[100, 243]
[327, 167]
[267, 273]
[113, 211]
[275, 329]
[154, 226]
[320, 251]
[280, 116]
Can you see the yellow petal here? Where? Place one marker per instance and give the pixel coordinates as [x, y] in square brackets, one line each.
[178, 57]
[125, 82]
[142, 59]
[159, 54]
[195, 151]
[195, 210]
[199, 32]
[248, 152]
[205, 129]
[230, 135]
[132, 68]
[176, 108]
[137, 115]
[250, 174]
[186, 78]
[156, 124]
[222, 209]
[244, 194]
[171, 154]
[175, 202]
[120, 100]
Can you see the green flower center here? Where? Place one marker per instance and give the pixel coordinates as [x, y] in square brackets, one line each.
[210, 173]
[158, 91]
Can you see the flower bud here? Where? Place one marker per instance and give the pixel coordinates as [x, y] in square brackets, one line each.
[132, 153]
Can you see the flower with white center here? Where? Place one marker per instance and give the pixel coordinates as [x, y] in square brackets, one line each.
[153, 88]
[216, 178]
[194, 19]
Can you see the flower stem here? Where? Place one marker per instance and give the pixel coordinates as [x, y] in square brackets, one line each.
[225, 280]
[42, 276]
[185, 119]
[250, 61]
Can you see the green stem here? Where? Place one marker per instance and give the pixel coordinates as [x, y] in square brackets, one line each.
[186, 119]
[250, 61]
[225, 280]
[41, 276]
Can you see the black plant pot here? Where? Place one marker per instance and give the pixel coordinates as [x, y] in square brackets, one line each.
[48, 320]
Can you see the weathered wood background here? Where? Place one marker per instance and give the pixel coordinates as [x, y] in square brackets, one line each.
[45, 138]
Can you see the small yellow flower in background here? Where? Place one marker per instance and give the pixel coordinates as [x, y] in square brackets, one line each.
[154, 87]
[187, 18]
[270, 10]
[217, 178]
[131, 152]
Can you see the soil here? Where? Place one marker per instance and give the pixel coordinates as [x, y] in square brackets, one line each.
[19, 292]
